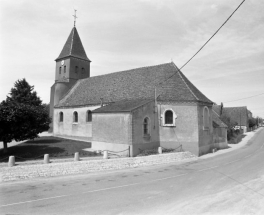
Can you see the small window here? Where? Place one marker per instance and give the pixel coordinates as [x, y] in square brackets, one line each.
[146, 126]
[60, 70]
[83, 70]
[89, 116]
[75, 117]
[168, 117]
[64, 69]
[61, 117]
[76, 69]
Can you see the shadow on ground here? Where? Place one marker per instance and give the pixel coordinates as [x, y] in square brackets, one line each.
[54, 146]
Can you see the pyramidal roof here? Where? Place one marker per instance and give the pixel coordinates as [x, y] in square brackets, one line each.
[170, 84]
[73, 47]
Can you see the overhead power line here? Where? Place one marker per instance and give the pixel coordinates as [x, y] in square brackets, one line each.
[205, 42]
[245, 98]
[257, 108]
[213, 35]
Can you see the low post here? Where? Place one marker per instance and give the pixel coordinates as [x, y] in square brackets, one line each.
[214, 150]
[11, 161]
[46, 159]
[105, 154]
[160, 150]
[131, 154]
[76, 156]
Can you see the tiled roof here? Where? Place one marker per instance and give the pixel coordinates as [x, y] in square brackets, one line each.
[73, 47]
[217, 120]
[169, 81]
[122, 106]
[237, 114]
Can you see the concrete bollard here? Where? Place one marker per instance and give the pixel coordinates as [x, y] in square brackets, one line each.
[46, 158]
[214, 150]
[11, 161]
[160, 150]
[105, 154]
[76, 156]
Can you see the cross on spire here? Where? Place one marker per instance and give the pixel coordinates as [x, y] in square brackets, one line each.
[75, 17]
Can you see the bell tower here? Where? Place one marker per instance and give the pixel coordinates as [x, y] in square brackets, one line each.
[72, 63]
[71, 66]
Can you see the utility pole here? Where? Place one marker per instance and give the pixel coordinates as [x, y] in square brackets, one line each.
[240, 118]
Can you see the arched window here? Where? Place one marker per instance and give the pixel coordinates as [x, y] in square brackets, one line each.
[65, 69]
[89, 116]
[76, 69]
[61, 117]
[60, 70]
[206, 118]
[75, 116]
[146, 126]
[168, 117]
[83, 70]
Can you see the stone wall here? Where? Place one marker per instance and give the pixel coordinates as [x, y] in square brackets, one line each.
[220, 138]
[185, 131]
[112, 128]
[139, 140]
[79, 167]
[68, 128]
[205, 134]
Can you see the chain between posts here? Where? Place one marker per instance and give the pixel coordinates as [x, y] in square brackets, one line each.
[115, 152]
[172, 149]
[29, 158]
[4, 158]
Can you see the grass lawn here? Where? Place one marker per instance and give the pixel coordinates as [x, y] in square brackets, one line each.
[54, 146]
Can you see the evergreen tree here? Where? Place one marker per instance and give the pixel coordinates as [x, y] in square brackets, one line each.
[22, 114]
[23, 93]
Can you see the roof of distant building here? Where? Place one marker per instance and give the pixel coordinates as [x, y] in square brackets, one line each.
[170, 84]
[237, 114]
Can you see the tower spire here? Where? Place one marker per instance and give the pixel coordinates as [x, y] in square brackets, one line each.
[75, 17]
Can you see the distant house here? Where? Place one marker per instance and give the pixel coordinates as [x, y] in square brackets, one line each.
[239, 115]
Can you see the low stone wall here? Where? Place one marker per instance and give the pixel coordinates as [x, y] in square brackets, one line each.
[79, 167]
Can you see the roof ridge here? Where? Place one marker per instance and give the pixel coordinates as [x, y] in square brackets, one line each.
[178, 70]
[237, 107]
[72, 40]
[129, 70]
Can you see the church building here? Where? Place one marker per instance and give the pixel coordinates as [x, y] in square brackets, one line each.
[137, 109]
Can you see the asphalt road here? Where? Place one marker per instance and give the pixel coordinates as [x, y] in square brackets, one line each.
[230, 183]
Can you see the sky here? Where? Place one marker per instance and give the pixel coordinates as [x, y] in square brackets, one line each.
[123, 34]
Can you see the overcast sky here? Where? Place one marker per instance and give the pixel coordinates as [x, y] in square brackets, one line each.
[124, 34]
